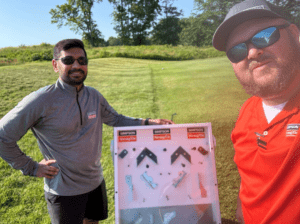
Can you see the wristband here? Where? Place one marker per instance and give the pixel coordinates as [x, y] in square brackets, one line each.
[147, 121]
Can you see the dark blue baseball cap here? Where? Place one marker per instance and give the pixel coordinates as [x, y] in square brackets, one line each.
[240, 13]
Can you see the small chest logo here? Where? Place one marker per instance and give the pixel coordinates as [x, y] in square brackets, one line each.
[91, 115]
[292, 130]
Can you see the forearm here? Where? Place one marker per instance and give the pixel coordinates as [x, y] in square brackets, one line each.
[12, 154]
[121, 121]
[14, 125]
[149, 121]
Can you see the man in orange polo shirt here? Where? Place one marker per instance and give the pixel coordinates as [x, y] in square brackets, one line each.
[264, 50]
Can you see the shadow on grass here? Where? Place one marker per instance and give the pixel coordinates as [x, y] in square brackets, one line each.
[228, 221]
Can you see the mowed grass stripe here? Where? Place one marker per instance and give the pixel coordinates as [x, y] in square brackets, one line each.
[127, 86]
[197, 90]
[206, 91]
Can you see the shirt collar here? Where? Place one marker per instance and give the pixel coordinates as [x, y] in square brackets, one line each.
[71, 90]
[293, 103]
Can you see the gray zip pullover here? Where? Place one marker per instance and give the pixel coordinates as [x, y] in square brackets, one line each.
[68, 128]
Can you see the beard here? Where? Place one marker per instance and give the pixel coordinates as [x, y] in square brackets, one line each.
[271, 82]
[74, 81]
[274, 87]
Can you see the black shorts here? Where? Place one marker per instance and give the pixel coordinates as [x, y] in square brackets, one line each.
[73, 209]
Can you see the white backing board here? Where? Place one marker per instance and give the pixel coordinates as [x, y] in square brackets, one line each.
[165, 174]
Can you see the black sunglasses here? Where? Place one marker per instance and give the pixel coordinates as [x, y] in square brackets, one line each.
[69, 60]
[262, 39]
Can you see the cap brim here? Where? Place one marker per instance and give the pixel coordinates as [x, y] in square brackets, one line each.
[223, 31]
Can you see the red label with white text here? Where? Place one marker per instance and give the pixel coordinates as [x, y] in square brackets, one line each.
[127, 136]
[194, 133]
[162, 137]
[161, 134]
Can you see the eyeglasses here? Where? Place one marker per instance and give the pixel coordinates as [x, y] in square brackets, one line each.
[262, 39]
[69, 60]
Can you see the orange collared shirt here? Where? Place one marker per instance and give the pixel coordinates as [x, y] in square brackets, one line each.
[268, 160]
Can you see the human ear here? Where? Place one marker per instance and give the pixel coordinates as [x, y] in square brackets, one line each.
[295, 32]
[55, 65]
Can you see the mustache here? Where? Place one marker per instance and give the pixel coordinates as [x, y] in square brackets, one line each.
[261, 60]
[75, 70]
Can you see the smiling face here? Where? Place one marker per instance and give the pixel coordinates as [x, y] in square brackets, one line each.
[271, 73]
[73, 74]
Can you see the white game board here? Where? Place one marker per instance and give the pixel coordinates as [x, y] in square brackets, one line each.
[165, 174]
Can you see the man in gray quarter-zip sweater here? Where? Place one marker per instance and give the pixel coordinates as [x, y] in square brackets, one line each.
[66, 118]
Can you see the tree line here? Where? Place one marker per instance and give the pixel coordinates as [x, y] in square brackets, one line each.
[146, 22]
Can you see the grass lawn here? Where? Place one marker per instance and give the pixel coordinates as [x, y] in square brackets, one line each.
[197, 91]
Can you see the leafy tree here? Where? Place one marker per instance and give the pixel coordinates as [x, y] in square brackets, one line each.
[133, 19]
[121, 19]
[290, 9]
[78, 15]
[113, 41]
[196, 31]
[168, 29]
[199, 29]
[216, 10]
[93, 39]
[169, 10]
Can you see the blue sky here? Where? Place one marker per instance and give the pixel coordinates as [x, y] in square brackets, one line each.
[28, 22]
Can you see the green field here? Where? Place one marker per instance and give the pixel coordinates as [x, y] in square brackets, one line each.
[197, 91]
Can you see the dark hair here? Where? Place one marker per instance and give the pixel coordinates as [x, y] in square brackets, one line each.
[67, 44]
